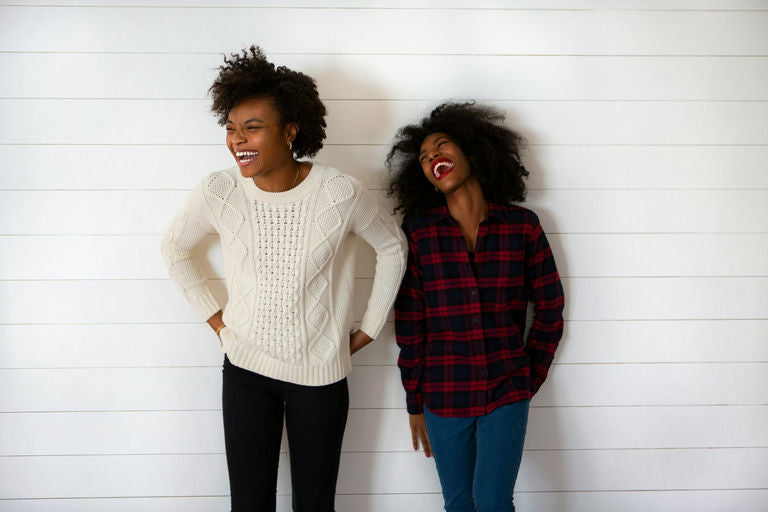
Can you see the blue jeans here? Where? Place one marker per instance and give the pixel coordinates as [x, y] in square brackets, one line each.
[478, 457]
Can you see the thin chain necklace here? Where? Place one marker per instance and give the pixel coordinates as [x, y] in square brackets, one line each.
[295, 179]
[298, 171]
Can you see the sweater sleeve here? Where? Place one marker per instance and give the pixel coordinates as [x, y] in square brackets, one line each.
[546, 292]
[189, 227]
[409, 329]
[381, 232]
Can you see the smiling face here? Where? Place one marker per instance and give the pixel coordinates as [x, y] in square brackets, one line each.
[444, 163]
[258, 139]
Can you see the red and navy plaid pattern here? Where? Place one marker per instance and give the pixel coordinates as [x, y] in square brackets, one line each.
[460, 329]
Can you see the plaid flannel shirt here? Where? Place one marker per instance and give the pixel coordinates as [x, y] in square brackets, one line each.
[460, 326]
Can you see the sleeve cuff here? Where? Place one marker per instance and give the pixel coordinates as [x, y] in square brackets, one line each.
[371, 328]
[204, 303]
[414, 404]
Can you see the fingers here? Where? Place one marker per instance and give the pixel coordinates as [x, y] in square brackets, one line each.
[419, 434]
[427, 445]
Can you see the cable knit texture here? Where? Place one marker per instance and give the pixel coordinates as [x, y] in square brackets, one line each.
[289, 267]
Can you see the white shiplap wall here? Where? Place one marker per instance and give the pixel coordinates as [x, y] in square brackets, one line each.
[649, 158]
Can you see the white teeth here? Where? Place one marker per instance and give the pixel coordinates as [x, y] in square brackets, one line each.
[437, 171]
[246, 153]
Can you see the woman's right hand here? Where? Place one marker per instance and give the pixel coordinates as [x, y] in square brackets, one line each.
[419, 433]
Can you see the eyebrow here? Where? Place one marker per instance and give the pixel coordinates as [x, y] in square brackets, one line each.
[256, 119]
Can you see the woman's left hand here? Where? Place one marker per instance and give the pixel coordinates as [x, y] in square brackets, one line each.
[358, 340]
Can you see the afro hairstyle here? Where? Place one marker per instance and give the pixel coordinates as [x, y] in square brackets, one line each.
[248, 74]
[493, 151]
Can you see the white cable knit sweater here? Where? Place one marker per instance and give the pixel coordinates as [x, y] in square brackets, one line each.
[289, 268]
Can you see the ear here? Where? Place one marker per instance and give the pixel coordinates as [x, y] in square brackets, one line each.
[291, 131]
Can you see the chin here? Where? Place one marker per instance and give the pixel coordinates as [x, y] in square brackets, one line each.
[447, 186]
[247, 172]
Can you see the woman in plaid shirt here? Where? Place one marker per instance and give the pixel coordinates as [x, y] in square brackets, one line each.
[475, 261]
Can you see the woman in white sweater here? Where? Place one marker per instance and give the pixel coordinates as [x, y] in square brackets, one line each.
[286, 329]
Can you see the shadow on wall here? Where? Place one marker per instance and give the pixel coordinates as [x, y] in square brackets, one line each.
[544, 471]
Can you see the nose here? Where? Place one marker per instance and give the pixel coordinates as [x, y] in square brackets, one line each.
[433, 154]
[238, 137]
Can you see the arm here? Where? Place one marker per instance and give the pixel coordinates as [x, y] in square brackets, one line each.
[546, 292]
[380, 231]
[189, 227]
[409, 330]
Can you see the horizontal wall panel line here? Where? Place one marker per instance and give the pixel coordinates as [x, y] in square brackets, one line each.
[588, 491]
[149, 99]
[571, 276]
[391, 99]
[352, 408]
[412, 493]
[535, 450]
[372, 144]
[374, 189]
[418, 54]
[623, 233]
[548, 233]
[629, 491]
[566, 321]
[380, 7]
[383, 365]
[592, 233]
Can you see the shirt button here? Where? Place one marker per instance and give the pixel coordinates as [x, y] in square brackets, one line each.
[473, 292]
[476, 319]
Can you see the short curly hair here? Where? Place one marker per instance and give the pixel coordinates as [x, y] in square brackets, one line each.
[493, 151]
[249, 75]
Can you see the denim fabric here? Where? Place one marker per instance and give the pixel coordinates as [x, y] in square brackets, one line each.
[478, 457]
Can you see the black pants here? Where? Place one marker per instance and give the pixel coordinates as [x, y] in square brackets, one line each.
[315, 417]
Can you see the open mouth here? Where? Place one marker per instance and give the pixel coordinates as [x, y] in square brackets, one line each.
[441, 167]
[245, 157]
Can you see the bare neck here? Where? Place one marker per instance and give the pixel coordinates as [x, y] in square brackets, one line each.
[467, 205]
[282, 178]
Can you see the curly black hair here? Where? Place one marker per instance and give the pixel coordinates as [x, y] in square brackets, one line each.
[493, 151]
[249, 75]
